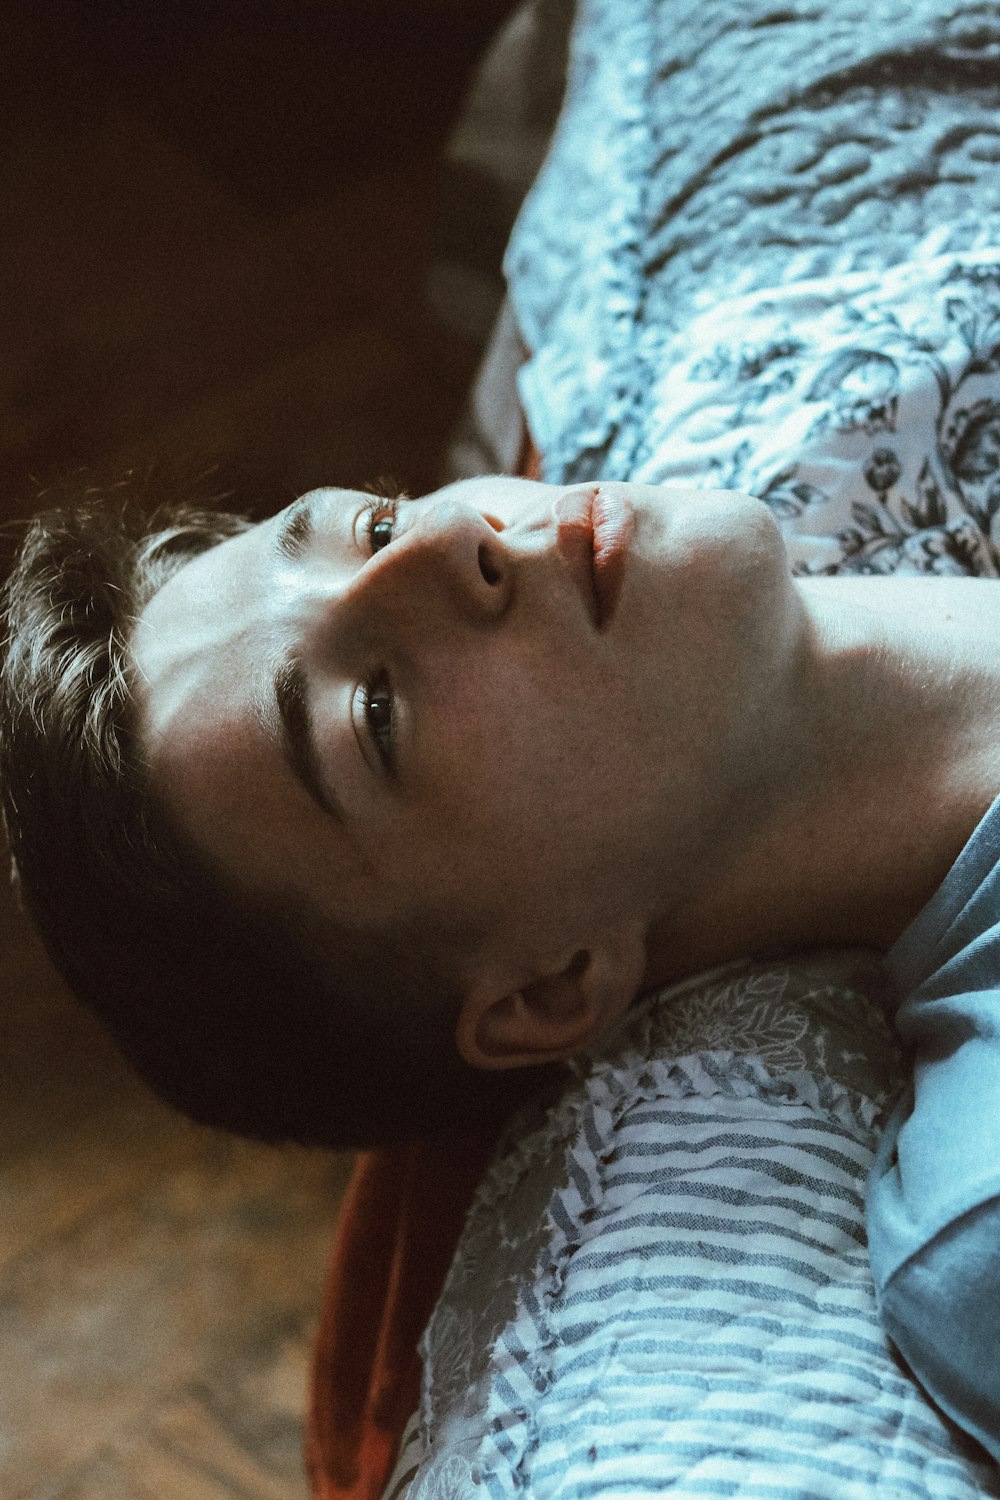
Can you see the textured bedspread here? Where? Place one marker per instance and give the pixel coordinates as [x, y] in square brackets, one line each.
[663, 1286]
[765, 253]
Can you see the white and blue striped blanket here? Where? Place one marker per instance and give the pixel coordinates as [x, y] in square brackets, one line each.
[663, 1285]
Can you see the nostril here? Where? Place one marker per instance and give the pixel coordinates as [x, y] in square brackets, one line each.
[487, 566]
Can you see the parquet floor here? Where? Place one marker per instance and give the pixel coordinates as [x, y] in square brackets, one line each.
[214, 224]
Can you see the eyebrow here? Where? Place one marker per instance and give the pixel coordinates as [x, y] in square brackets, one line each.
[298, 743]
[297, 527]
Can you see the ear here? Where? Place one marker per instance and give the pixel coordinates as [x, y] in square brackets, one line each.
[549, 1018]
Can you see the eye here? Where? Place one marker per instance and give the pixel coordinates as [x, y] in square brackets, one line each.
[380, 521]
[380, 713]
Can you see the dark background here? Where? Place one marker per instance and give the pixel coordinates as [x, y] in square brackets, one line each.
[215, 225]
[215, 221]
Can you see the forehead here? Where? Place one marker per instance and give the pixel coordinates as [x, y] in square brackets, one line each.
[197, 643]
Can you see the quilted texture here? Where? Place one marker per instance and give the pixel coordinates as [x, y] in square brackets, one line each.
[664, 1285]
[763, 254]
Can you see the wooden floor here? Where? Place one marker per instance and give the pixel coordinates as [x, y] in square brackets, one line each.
[214, 223]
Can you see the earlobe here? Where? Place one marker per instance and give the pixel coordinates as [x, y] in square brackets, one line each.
[551, 1017]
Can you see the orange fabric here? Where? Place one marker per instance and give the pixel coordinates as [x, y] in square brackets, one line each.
[401, 1219]
[402, 1216]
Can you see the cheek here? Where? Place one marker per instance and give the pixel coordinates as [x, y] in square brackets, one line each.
[525, 796]
[517, 735]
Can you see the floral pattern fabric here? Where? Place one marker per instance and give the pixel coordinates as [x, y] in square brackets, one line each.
[764, 253]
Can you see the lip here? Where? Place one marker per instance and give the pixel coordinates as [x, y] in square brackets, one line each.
[593, 535]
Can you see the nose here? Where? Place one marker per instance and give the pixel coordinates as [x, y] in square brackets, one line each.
[451, 549]
[447, 565]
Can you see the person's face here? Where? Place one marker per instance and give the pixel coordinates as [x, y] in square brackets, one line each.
[431, 719]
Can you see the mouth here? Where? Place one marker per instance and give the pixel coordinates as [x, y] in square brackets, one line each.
[594, 533]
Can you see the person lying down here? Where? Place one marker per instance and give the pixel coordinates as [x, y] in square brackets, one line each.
[383, 814]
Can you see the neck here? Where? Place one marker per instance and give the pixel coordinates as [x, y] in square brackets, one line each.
[889, 756]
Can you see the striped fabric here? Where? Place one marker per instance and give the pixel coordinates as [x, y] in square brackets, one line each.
[663, 1285]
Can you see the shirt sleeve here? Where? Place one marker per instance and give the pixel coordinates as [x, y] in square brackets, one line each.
[934, 1205]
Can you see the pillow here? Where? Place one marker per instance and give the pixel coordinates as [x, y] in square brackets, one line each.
[663, 1282]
